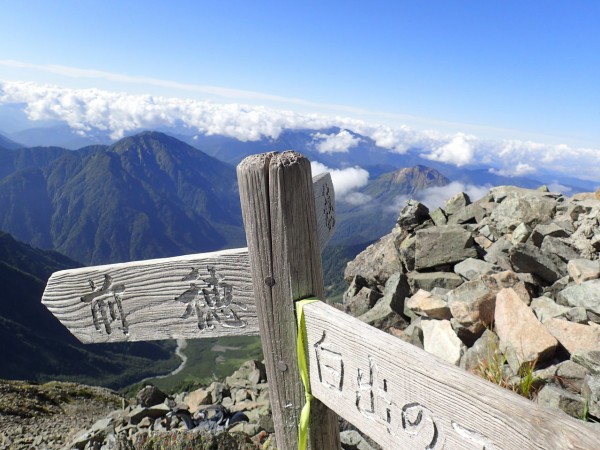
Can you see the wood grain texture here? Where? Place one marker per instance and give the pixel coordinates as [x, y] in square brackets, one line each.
[193, 296]
[324, 207]
[406, 398]
[281, 228]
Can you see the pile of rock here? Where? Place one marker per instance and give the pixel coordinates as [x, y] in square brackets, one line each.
[157, 418]
[46, 416]
[515, 273]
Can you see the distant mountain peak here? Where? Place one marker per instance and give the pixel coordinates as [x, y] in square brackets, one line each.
[8, 144]
[145, 196]
[408, 180]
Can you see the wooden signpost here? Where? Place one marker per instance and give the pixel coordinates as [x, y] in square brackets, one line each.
[401, 396]
[406, 398]
[190, 297]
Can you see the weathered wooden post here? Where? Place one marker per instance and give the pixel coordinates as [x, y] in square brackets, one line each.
[281, 228]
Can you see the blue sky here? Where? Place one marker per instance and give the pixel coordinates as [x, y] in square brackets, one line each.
[527, 70]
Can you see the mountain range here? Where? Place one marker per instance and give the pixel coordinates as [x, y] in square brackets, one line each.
[144, 196]
[363, 152]
[152, 195]
[37, 347]
[8, 143]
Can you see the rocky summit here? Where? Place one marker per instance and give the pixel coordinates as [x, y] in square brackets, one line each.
[232, 414]
[511, 280]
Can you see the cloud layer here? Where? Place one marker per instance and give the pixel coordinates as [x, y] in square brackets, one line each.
[335, 143]
[120, 113]
[436, 196]
[346, 182]
[459, 151]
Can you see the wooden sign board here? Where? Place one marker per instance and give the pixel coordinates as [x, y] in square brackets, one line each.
[190, 297]
[324, 207]
[404, 397]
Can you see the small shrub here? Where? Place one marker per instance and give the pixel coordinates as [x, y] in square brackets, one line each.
[492, 368]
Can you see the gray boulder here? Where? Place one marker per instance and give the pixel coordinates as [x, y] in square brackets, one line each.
[498, 254]
[520, 234]
[456, 203]
[446, 244]
[150, 396]
[430, 280]
[249, 374]
[521, 206]
[591, 393]
[438, 216]
[543, 230]
[586, 294]
[406, 252]
[472, 213]
[555, 289]
[559, 249]
[413, 334]
[94, 436]
[545, 308]
[352, 440]
[590, 359]
[364, 300]
[375, 264]
[387, 312]
[485, 348]
[569, 375]
[583, 270]
[472, 306]
[528, 258]
[473, 303]
[472, 268]
[578, 314]
[412, 215]
[554, 397]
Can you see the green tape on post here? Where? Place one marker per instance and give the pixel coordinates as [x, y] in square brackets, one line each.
[303, 367]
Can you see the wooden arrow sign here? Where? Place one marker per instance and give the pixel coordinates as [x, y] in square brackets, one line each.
[192, 296]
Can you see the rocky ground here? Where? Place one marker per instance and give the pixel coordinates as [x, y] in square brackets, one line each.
[72, 416]
[506, 287]
[47, 416]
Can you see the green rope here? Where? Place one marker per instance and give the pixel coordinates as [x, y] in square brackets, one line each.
[303, 367]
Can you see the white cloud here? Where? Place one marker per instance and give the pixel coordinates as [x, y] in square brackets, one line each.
[523, 169]
[335, 143]
[557, 187]
[357, 198]
[346, 182]
[435, 197]
[519, 170]
[120, 113]
[458, 151]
